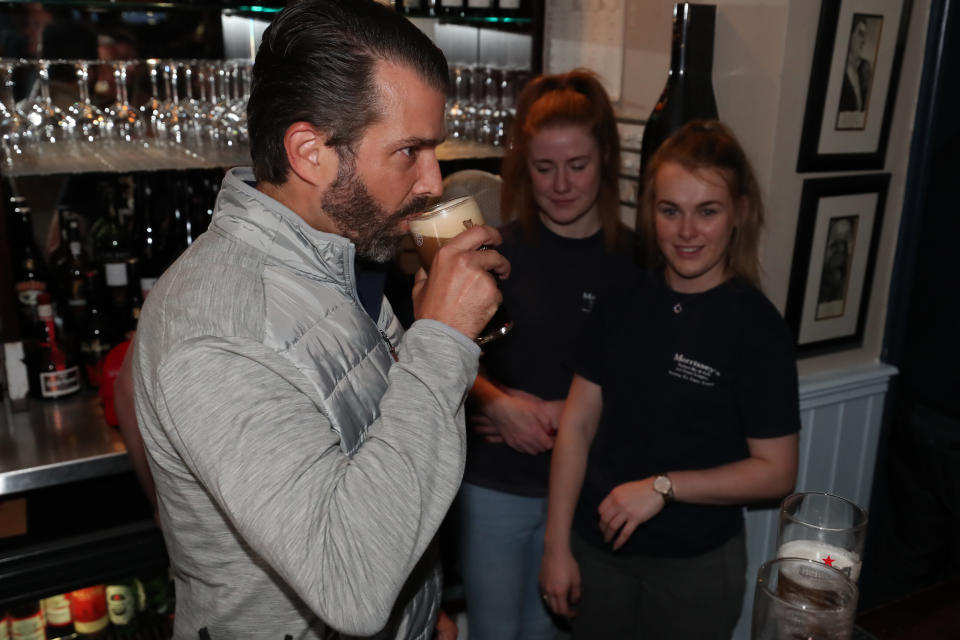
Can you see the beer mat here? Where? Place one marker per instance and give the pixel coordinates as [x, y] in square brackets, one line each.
[862, 634]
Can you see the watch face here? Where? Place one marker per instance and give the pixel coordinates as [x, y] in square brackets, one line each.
[662, 484]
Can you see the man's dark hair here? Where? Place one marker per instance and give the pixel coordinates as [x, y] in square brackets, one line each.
[316, 64]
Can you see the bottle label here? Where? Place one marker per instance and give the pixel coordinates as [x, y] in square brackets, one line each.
[146, 284]
[121, 603]
[54, 384]
[76, 249]
[116, 274]
[57, 610]
[451, 3]
[31, 628]
[479, 4]
[509, 4]
[28, 291]
[89, 609]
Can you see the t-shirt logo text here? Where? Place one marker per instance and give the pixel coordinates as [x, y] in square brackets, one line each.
[693, 371]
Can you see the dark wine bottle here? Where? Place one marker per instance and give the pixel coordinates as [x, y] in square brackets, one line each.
[97, 335]
[112, 251]
[30, 278]
[52, 369]
[72, 287]
[688, 94]
[146, 232]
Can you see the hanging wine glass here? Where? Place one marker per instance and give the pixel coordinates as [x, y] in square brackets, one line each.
[151, 111]
[175, 130]
[228, 120]
[87, 119]
[456, 115]
[124, 126]
[16, 138]
[46, 120]
[487, 99]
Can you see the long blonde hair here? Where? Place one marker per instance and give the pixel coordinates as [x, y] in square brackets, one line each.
[710, 144]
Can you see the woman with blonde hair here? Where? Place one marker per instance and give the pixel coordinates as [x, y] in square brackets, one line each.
[683, 408]
[566, 246]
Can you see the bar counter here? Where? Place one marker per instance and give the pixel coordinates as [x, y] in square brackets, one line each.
[56, 442]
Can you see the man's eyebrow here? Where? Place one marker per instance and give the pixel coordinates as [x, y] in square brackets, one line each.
[420, 142]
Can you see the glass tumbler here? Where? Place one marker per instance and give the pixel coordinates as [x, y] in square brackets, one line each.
[825, 528]
[800, 599]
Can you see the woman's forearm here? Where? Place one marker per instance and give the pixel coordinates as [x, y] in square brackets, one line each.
[768, 474]
[578, 424]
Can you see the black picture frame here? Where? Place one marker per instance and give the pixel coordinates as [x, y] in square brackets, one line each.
[835, 252]
[836, 135]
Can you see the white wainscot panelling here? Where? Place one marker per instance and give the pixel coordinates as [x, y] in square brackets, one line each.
[841, 414]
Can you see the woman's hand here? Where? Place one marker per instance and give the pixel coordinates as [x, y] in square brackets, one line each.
[521, 420]
[560, 581]
[626, 507]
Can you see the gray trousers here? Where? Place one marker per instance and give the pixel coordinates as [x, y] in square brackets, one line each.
[651, 598]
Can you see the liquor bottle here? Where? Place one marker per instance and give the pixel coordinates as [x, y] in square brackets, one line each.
[134, 298]
[26, 620]
[52, 369]
[89, 609]
[111, 251]
[688, 94]
[56, 610]
[146, 235]
[30, 277]
[97, 335]
[72, 287]
[123, 598]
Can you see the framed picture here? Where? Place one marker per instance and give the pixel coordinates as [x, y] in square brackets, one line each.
[833, 259]
[853, 84]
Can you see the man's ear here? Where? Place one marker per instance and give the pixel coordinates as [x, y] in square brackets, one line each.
[309, 156]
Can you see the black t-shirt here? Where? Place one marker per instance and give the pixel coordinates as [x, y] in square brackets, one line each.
[683, 387]
[554, 285]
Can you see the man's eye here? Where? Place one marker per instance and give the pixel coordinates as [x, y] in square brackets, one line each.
[410, 152]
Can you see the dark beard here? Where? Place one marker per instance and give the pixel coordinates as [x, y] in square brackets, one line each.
[369, 226]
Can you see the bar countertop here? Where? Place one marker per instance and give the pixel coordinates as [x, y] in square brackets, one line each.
[55, 442]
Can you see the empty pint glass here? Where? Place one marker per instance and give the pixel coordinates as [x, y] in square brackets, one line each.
[800, 599]
[440, 224]
[825, 528]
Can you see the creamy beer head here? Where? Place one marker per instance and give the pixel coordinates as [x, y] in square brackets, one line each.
[441, 223]
[841, 559]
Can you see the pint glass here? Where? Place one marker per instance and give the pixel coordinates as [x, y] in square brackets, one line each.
[440, 224]
[800, 599]
[825, 528]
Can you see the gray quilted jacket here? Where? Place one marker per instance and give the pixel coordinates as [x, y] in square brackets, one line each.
[301, 472]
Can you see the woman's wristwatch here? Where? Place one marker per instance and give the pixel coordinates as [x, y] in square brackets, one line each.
[664, 486]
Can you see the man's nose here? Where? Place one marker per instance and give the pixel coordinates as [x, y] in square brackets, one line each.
[430, 182]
